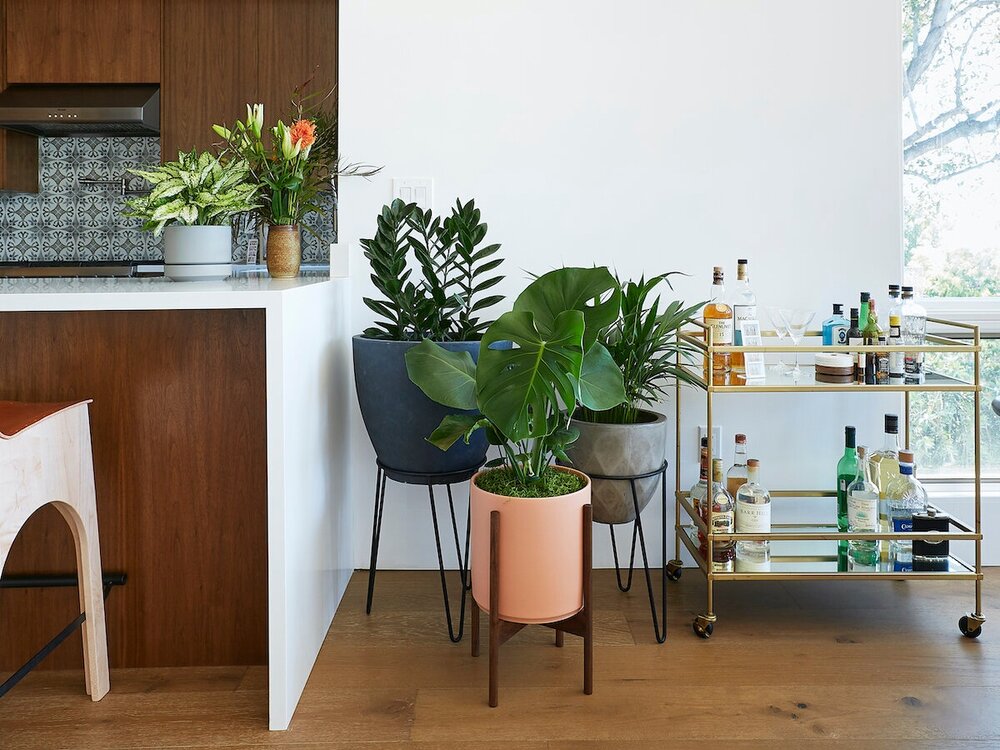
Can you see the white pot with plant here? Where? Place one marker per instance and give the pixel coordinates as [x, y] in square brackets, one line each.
[192, 203]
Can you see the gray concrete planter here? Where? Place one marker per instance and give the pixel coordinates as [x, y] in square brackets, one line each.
[619, 450]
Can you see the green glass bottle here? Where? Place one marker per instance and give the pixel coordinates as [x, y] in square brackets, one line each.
[847, 470]
[871, 334]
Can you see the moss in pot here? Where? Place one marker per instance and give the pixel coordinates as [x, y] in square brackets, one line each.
[631, 438]
[536, 365]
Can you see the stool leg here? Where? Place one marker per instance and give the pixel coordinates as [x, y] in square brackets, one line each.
[559, 639]
[494, 609]
[474, 613]
[588, 605]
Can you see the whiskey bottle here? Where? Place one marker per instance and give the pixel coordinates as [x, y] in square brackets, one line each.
[718, 317]
[753, 512]
[744, 304]
[699, 491]
[723, 521]
[736, 477]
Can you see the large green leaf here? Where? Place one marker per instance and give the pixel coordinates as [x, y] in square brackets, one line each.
[520, 388]
[453, 427]
[601, 385]
[592, 291]
[444, 376]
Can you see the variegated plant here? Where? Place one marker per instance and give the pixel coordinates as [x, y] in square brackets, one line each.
[195, 190]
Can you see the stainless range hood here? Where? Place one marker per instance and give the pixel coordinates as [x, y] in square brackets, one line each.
[92, 109]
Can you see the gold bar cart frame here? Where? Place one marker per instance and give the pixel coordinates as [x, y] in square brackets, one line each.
[689, 524]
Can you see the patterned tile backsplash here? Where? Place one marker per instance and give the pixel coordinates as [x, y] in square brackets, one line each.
[70, 222]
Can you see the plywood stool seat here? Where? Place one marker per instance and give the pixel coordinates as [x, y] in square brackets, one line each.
[46, 458]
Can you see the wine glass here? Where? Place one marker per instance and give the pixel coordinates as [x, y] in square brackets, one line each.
[797, 321]
[781, 329]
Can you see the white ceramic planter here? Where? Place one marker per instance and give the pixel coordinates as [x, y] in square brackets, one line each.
[197, 253]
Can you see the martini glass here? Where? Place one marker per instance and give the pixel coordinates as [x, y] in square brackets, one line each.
[778, 324]
[797, 322]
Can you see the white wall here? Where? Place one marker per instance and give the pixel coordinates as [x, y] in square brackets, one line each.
[650, 135]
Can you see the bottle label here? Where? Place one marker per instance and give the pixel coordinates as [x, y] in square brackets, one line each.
[901, 525]
[862, 511]
[859, 366]
[742, 312]
[722, 330]
[838, 335]
[896, 366]
[722, 522]
[753, 518]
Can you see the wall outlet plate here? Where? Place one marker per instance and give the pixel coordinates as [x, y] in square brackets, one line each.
[419, 190]
[716, 439]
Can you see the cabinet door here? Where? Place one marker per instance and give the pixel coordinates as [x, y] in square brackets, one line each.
[287, 60]
[209, 69]
[83, 41]
[18, 152]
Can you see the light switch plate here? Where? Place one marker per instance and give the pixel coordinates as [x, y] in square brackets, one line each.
[419, 190]
[716, 438]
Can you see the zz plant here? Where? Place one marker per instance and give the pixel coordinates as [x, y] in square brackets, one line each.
[443, 302]
[196, 190]
[644, 344]
[524, 396]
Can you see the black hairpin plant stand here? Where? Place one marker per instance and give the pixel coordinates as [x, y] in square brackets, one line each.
[429, 480]
[671, 569]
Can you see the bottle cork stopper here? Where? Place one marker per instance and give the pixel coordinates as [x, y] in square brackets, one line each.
[753, 463]
[741, 438]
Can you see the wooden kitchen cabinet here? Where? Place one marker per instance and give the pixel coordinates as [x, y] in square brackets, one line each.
[83, 41]
[18, 152]
[212, 70]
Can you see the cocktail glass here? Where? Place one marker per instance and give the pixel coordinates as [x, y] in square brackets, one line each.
[778, 325]
[797, 322]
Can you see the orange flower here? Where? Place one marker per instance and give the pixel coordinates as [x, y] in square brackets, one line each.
[303, 132]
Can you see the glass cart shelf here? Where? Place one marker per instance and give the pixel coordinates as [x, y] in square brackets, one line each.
[816, 552]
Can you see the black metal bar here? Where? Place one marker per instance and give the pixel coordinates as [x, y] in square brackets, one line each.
[110, 581]
[376, 534]
[631, 562]
[444, 581]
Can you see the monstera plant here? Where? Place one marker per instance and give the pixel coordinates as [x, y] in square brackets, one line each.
[537, 364]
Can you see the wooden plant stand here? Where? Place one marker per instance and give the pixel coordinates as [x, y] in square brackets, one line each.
[501, 631]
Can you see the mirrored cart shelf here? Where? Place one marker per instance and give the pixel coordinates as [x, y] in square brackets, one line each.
[818, 552]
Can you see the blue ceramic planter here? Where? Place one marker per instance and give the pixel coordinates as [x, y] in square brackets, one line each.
[398, 416]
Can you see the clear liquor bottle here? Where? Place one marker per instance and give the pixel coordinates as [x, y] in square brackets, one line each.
[905, 496]
[862, 515]
[847, 472]
[736, 477]
[753, 512]
[744, 304]
[718, 316]
[896, 362]
[884, 469]
[723, 521]
[913, 318]
[894, 300]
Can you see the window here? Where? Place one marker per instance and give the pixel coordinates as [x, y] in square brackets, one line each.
[951, 195]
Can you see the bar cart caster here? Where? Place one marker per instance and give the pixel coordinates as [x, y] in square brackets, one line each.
[971, 625]
[674, 570]
[703, 626]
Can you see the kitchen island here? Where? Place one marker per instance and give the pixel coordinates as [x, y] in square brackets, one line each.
[220, 446]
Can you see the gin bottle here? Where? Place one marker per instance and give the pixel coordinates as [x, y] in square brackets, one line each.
[905, 497]
[835, 328]
[753, 512]
[736, 477]
[862, 515]
[914, 323]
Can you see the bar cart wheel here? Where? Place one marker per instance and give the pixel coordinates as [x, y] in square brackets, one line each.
[674, 569]
[964, 625]
[703, 626]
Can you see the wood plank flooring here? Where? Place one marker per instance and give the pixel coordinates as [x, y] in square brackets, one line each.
[791, 665]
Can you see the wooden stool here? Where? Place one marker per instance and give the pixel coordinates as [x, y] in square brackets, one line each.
[45, 457]
[501, 631]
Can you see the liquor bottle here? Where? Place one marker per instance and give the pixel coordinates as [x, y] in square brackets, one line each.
[835, 327]
[863, 317]
[699, 491]
[862, 514]
[894, 300]
[847, 471]
[884, 469]
[882, 363]
[856, 338]
[744, 304]
[871, 333]
[723, 521]
[718, 316]
[913, 318]
[905, 497]
[753, 511]
[736, 477]
[895, 358]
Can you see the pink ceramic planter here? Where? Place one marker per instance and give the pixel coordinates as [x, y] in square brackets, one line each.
[541, 553]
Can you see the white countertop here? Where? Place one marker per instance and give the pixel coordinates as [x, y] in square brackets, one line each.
[54, 294]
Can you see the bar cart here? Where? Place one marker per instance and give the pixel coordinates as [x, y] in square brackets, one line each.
[813, 551]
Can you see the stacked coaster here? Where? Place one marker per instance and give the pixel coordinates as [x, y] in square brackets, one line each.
[834, 368]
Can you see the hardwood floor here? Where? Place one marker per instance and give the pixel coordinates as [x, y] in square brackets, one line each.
[790, 666]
